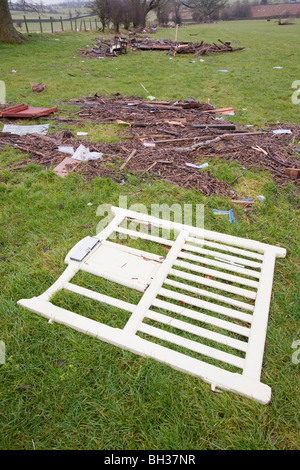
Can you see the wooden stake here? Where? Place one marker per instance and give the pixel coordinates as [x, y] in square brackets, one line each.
[26, 25]
[128, 159]
[176, 33]
[40, 24]
[51, 21]
[151, 166]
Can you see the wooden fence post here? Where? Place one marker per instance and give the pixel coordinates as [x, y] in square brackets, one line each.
[62, 24]
[51, 21]
[71, 24]
[40, 24]
[26, 25]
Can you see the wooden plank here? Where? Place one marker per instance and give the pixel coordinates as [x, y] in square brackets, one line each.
[128, 159]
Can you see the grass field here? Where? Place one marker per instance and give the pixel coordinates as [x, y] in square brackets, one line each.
[103, 397]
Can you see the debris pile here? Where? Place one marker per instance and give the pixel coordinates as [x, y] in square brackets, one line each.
[107, 48]
[199, 49]
[177, 142]
[112, 48]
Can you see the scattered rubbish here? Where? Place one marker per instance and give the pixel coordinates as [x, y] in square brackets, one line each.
[165, 124]
[243, 201]
[25, 130]
[38, 87]
[259, 149]
[282, 131]
[229, 262]
[89, 204]
[24, 387]
[66, 166]
[292, 172]
[229, 213]
[13, 71]
[66, 149]
[128, 159]
[149, 144]
[261, 198]
[83, 154]
[277, 67]
[61, 363]
[151, 98]
[223, 70]
[119, 121]
[24, 111]
[193, 165]
[82, 133]
[107, 48]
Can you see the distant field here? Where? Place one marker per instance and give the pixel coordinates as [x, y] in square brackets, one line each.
[33, 27]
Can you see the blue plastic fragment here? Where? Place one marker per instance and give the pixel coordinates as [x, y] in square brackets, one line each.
[230, 214]
[231, 217]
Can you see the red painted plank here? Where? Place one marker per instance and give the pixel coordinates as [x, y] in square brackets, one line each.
[22, 111]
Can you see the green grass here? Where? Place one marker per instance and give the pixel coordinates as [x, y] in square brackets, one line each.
[103, 397]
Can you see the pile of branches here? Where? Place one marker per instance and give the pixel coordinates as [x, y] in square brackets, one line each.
[104, 47]
[199, 49]
[165, 140]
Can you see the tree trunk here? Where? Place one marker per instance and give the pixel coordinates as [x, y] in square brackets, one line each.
[8, 33]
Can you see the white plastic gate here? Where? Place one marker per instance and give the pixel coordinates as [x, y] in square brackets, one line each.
[211, 286]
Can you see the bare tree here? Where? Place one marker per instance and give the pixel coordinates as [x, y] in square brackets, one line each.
[176, 7]
[116, 13]
[140, 10]
[163, 11]
[101, 9]
[123, 11]
[206, 8]
[8, 33]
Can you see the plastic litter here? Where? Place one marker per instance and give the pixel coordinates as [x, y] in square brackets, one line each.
[83, 154]
[24, 130]
[282, 131]
[192, 165]
[229, 213]
[261, 198]
[66, 149]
